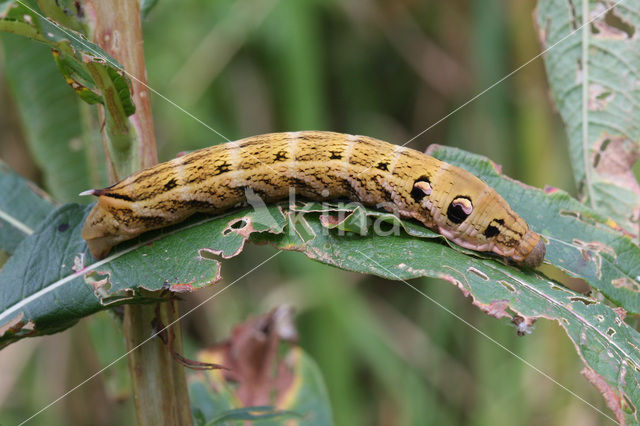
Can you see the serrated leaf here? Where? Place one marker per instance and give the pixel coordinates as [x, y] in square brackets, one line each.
[77, 77]
[604, 342]
[596, 87]
[22, 208]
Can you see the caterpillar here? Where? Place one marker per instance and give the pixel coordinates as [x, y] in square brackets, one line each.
[319, 166]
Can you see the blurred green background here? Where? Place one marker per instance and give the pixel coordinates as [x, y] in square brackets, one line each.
[387, 69]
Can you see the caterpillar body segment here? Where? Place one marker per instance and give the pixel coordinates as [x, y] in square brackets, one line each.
[319, 166]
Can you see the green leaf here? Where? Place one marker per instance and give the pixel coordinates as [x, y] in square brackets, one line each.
[75, 54]
[57, 297]
[605, 343]
[51, 280]
[51, 119]
[579, 241]
[22, 208]
[596, 88]
[94, 75]
[51, 296]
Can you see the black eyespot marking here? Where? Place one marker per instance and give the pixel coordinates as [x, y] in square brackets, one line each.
[421, 188]
[500, 221]
[170, 185]
[491, 231]
[335, 155]
[280, 156]
[459, 209]
[383, 166]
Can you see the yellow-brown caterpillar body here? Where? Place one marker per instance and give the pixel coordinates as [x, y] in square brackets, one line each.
[319, 166]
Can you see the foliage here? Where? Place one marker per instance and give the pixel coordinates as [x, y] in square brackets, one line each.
[264, 367]
[596, 87]
[58, 297]
[94, 76]
[63, 283]
[22, 208]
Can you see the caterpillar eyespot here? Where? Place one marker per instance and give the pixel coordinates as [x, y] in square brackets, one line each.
[459, 209]
[318, 165]
[421, 189]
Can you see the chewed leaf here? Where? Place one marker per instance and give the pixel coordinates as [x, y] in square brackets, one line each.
[356, 221]
[500, 291]
[579, 241]
[596, 89]
[62, 289]
[66, 287]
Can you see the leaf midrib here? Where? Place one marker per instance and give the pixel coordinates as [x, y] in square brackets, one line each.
[53, 286]
[585, 101]
[16, 223]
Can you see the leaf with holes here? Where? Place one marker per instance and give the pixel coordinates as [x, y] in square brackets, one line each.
[596, 87]
[608, 347]
[579, 241]
[48, 285]
[42, 294]
[22, 208]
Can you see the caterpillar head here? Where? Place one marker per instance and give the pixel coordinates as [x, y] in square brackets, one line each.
[101, 233]
[107, 224]
[471, 214]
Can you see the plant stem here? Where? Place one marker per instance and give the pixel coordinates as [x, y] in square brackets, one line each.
[117, 29]
[159, 383]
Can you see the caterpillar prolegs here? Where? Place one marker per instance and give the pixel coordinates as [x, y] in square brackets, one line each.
[319, 166]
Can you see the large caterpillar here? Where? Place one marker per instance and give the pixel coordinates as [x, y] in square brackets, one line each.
[319, 166]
